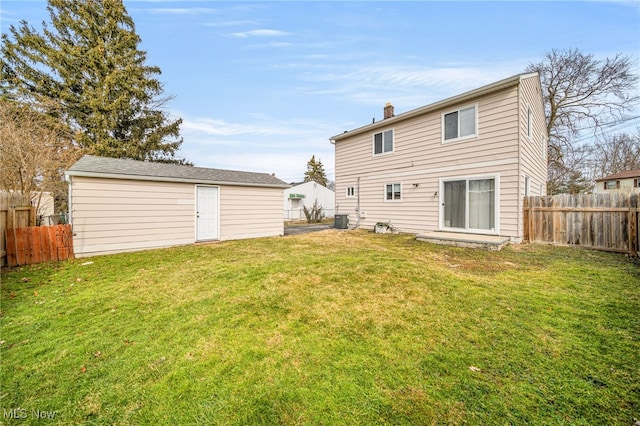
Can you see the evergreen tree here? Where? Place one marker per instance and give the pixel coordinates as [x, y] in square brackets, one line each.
[315, 172]
[89, 63]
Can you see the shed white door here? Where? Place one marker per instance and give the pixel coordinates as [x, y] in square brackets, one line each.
[207, 213]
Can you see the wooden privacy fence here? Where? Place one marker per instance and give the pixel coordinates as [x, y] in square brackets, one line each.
[16, 211]
[37, 244]
[23, 243]
[600, 221]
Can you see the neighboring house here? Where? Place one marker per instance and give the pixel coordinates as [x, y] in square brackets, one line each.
[45, 208]
[628, 181]
[121, 205]
[304, 195]
[463, 164]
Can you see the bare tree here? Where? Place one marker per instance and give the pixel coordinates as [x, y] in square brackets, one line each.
[615, 154]
[568, 176]
[580, 94]
[34, 151]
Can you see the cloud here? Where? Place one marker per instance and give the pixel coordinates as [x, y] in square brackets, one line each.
[183, 10]
[405, 86]
[264, 145]
[213, 127]
[259, 33]
[260, 124]
[230, 23]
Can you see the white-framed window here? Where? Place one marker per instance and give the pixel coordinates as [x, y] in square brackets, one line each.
[393, 192]
[460, 124]
[351, 192]
[383, 142]
[529, 122]
[470, 203]
[526, 186]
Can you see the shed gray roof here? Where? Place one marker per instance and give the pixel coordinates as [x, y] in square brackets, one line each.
[118, 168]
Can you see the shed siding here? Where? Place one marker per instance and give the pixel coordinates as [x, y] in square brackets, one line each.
[116, 215]
[249, 212]
[420, 157]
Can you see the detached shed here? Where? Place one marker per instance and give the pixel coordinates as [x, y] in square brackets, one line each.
[119, 205]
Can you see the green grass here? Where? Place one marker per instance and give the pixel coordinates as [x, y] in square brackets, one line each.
[325, 328]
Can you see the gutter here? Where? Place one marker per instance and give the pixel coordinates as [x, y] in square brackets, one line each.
[67, 178]
[70, 173]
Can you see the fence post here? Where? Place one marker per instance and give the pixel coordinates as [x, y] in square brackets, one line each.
[525, 221]
[11, 217]
[633, 224]
[32, 216]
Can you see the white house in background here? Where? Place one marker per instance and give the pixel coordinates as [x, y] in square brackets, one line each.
[628, 181]
[119, 205]
[305, 194]
[44, 203]
[461, 165]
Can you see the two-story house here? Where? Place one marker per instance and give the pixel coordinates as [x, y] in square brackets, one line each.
[462, 164]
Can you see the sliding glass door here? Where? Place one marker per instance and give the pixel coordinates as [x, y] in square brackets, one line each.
[455, 204]
[469, 204]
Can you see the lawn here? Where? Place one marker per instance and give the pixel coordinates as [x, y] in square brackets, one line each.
[325, 328]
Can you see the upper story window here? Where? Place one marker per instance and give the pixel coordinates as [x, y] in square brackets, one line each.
[529, 121]
[383, 142]
[460, 124]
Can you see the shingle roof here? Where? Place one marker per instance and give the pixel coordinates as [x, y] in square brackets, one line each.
[622, 175]
[92, 166]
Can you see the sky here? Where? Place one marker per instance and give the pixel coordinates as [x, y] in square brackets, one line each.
[263, 85]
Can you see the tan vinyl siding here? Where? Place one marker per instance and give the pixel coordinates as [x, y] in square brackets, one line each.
[532, 158]
[249, 212]
[420, 157]
[114, 215]
[533, 149]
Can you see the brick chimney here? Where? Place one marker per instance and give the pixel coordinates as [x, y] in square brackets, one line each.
[388, 111]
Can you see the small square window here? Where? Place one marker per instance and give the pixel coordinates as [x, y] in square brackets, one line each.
[393, 192]
[383, 142]
[351, 191]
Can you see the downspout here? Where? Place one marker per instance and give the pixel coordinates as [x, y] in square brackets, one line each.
[69, 198]
[358, 205]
